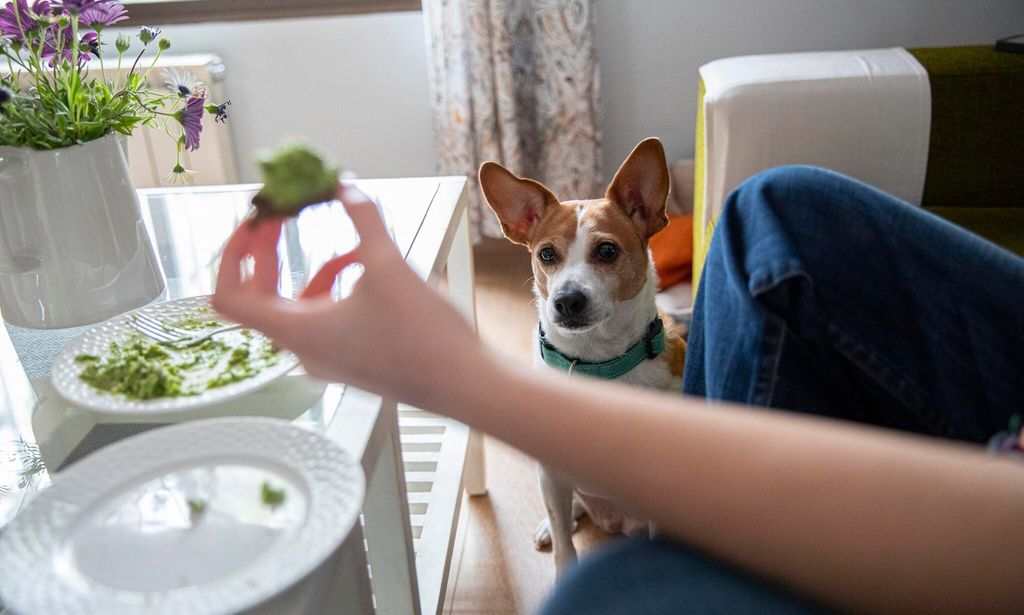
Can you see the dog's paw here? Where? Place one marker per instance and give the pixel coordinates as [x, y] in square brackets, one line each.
[542, 535]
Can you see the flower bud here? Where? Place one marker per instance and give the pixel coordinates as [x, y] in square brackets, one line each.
[164, 44]
[219, 111]
[122, 43]
[147, 34]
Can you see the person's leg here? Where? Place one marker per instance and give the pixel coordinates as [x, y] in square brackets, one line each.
[650, 577]
[823, 295]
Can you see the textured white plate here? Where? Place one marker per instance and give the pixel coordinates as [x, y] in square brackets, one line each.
[114, 533]
[96, 341]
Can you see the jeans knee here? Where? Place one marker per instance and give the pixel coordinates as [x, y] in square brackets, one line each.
[777, 189]
[654, 576]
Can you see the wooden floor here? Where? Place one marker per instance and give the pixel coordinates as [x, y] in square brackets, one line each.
[496, 569]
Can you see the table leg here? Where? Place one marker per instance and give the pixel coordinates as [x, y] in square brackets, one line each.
[460, 286]
[388, 533]
[350, 593]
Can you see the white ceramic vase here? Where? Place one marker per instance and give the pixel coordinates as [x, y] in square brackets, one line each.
[73, 246]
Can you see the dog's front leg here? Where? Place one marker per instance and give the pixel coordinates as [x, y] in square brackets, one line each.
[558, 495]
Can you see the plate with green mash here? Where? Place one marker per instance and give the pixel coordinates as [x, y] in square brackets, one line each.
[222, 515]
[114, 369]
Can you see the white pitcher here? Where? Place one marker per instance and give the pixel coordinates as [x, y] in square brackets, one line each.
[73, 247]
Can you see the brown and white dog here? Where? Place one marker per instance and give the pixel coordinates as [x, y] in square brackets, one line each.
[595, 284]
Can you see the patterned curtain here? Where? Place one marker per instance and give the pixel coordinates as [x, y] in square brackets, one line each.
[516, 81]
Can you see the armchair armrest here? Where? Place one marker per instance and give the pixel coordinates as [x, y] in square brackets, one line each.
[937, 127]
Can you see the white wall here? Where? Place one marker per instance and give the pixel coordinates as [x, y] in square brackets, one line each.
[354, 86]
[357, 86]
[651, 49]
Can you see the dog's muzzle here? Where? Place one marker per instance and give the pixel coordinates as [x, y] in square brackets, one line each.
[571, 308]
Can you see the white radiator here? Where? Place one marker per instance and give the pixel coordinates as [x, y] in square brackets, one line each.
[151, 151]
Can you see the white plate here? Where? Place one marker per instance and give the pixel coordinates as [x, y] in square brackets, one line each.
[114, 533]
[96, 341]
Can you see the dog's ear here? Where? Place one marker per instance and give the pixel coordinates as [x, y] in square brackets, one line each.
[518, 202]
[640, 187]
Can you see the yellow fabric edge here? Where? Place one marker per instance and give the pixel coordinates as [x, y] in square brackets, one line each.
[701, 239]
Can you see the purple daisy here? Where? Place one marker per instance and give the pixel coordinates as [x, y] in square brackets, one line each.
[17, 20]
[191, 118]
[90, 43]
[98, 16]
[75, 6]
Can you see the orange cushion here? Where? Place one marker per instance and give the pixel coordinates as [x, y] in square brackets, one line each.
[673, 251]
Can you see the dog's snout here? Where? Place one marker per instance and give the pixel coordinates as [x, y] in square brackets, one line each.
[570, 303]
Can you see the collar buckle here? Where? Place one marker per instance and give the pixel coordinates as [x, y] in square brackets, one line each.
[653, 330]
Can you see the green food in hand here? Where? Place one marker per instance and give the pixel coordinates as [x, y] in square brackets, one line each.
[271, 497]
[294, 176]
[140, 368]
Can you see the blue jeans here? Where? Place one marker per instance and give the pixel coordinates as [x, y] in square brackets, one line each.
[825, 296]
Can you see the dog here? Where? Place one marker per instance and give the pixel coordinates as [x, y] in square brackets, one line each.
[595, 283]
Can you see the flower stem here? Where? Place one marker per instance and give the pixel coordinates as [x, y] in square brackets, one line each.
[159, 52]
[74, 41]
[136, 63]
[99, 45]
[142, 103]
[117, 75]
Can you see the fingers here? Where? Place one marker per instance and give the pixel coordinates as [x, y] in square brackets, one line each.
[234, 297]
[266, 269]
[258, 240]
[229, 276]
[323, 281]
[366, 217]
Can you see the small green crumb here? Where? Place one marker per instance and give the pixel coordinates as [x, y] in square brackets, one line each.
[86, 358]
[196, 507]
[271, 497]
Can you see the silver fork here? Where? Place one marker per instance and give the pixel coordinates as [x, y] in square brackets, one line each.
[156, 330]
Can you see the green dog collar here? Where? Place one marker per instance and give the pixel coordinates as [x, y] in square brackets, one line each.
[648, 348]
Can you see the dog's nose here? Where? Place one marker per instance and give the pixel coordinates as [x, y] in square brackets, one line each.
[570, 303]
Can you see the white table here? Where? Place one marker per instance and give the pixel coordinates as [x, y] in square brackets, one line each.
[416, 464]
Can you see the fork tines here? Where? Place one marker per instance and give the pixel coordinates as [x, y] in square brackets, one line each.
[150, 327]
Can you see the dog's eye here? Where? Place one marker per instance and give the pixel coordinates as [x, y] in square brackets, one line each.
[607, 251]
[547, 254]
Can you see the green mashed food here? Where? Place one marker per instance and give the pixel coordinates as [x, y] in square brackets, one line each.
[140, 368]
[295, 176]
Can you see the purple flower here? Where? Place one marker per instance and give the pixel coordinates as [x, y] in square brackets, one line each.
[98, 16]
[191, 118]
[75, 6]
[90, 43]
[17, 20]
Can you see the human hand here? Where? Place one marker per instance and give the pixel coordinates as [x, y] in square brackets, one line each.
[393, 334]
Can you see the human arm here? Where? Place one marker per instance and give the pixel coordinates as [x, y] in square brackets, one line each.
[858, 518]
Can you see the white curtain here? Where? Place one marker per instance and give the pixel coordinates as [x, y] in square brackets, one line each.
[515, 81]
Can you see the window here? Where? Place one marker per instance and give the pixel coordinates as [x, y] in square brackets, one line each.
[160, 12]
